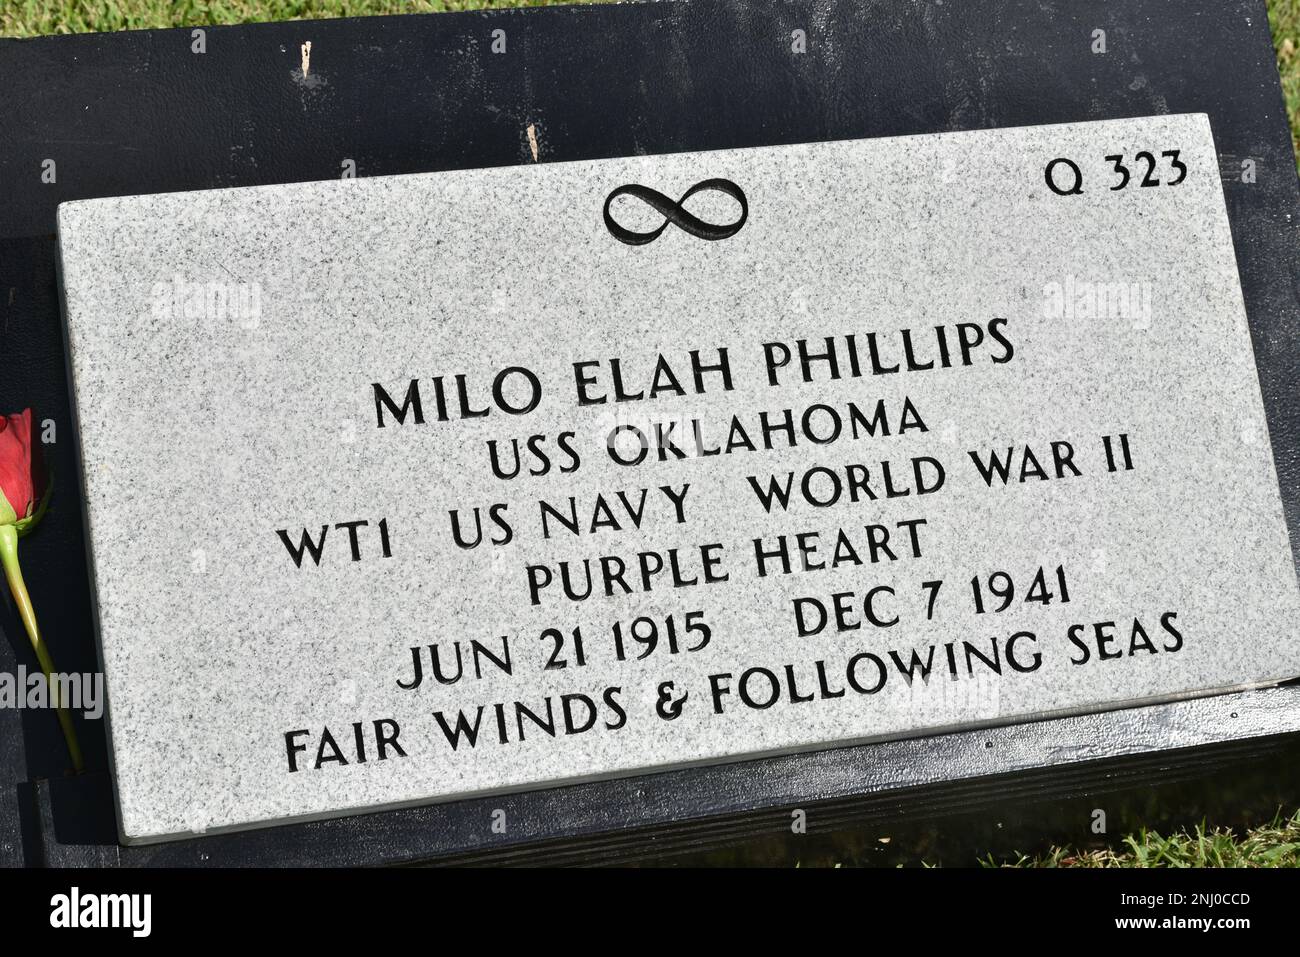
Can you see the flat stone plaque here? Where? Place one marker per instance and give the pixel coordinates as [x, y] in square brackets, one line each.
[410, 488]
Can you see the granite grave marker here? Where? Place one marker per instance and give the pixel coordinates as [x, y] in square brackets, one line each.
[411, 488]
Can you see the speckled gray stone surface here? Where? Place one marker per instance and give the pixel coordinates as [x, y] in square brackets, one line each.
[208, 427]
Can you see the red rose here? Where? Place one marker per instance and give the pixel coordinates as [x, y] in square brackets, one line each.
[24, 496]
[23, 479]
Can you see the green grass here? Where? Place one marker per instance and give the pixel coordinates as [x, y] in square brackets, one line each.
[1275, 844]
[1284, 18]
[20, 18]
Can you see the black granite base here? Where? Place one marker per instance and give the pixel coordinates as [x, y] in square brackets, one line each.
[140, 112]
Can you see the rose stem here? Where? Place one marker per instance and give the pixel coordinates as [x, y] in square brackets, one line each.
[9, 558]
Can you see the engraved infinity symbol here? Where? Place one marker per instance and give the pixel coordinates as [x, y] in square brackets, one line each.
[676, 213]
